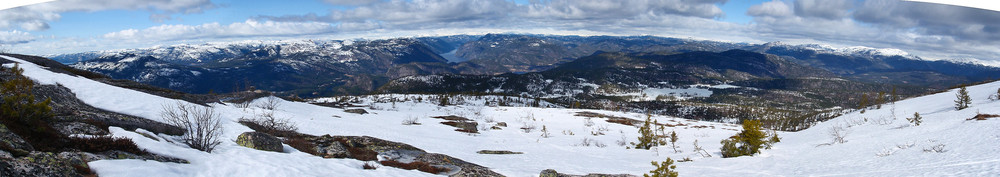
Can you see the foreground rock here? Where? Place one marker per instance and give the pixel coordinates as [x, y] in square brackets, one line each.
[553, 173]
[370, 148]
[259, 141]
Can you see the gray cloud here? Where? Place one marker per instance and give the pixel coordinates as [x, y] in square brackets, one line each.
[828, 9]
[923, 28]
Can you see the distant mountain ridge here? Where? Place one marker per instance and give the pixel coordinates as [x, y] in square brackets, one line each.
[324, 67]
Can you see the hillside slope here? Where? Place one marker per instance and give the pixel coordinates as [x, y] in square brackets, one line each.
[877, 144]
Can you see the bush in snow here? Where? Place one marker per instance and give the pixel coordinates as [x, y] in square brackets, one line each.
[201, 124]
[749, 141]
[268, 123]
[838, 133]
[663, 169]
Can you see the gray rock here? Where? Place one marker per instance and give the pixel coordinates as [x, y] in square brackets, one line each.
[14, 141]
[69, 128]
[332, 150]
[37, 164]
[553, 173]
[356, 111]
[502, 124]
[259, 141]
[497, 152]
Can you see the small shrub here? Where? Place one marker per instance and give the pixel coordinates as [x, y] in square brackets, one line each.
[838, 133]
[663, 169]
[411, 120]
[202, 125]
[368, 166]
[939, 148]
[266, 122]
[269, 103]
[105, 143]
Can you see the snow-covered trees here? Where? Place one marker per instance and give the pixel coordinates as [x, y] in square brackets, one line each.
[663, 169]
[202, 125]
[962, 99]
[749, 141]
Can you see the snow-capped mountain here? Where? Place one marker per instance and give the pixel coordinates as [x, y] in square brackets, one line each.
[302, 66]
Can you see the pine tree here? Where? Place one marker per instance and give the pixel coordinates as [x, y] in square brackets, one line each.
[664, 169]
[916, 119]
[879, 100]
[646, 136]
[864, 101]
[545, 132]
[749, 141]
[962, 98]
[443, 101]
[673, 141]
[893, 97]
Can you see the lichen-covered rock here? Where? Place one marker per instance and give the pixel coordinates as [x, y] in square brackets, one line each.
[13, 141]
[553, 173]
[259, 141]
[37, 164]
[332, 150]
[356, 111]
[69, 128]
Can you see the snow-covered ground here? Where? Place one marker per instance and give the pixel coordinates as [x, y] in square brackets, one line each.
[877, 144]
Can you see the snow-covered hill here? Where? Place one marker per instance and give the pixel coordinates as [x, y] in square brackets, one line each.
[877, 144]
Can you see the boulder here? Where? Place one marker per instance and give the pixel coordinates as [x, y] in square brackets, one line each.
[259, 141]
[553, 173]
[69, 128]
[356, 111]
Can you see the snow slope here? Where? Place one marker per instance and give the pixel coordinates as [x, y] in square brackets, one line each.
[877, 144]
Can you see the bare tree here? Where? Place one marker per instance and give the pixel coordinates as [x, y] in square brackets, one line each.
[202, 124]
[838, 133]
[267, 122]
[269, 103]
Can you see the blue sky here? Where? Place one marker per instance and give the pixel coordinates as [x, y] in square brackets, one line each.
[929, 30]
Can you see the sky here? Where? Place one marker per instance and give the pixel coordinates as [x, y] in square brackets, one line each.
[929, 30]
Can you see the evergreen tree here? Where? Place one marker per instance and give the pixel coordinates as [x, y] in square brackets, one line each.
[673, 141]
[879, 100]
[664, 169]
[749, 141]
[646, 136]
[916, 119]
[443, 101]
[962, 98]
[864, 101]
[893, 97]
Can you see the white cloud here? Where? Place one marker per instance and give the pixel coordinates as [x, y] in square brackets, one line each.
[36, 17]
[15, 37]
[247, 28]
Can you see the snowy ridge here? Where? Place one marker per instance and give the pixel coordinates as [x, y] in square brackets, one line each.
[341, 50]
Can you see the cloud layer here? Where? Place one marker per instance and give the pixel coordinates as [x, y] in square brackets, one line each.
[36, 17]
[933, 29]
